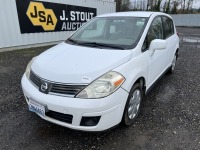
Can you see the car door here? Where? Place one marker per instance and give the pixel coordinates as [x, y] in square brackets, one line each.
[171, 39]
[157, 58]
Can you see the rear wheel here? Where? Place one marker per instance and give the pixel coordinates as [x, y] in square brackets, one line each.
[132, 107]
[172, 68]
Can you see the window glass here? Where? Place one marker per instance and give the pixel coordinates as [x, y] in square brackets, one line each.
[94, 30]
[155, 32]
[168, 27]
[116, 31]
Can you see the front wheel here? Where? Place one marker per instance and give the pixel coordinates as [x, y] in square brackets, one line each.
[132, 107]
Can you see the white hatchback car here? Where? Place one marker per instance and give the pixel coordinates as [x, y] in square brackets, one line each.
[98, 77]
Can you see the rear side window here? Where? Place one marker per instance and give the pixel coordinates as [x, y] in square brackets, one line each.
[168, 27]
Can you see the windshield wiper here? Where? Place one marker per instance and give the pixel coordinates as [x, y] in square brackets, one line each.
[73, 41]
[101, 45]
[92, 44]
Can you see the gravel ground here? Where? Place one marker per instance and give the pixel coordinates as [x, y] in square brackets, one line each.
[169, 119]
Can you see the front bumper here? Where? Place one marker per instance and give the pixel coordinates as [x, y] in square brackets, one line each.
[110, 108]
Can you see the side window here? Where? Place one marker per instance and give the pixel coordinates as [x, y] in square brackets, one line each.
[155, 32]
[168, 27]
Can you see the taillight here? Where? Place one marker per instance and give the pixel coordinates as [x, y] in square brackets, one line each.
[178, 34]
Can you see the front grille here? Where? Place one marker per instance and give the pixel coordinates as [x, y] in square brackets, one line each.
[66, 89]
[35, 79]
[59, 116]
[56, 88]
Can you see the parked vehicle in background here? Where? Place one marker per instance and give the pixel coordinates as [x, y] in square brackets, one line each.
[99, 76]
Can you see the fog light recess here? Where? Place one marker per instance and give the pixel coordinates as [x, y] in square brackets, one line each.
[90, 121]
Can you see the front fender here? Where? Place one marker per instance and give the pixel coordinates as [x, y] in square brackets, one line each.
[134, 69]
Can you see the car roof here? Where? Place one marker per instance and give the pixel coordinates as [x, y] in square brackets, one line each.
[132, 14]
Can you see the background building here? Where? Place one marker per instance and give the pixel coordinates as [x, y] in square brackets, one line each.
[27, 23]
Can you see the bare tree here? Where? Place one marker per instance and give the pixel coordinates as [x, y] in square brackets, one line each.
[168, 6]
[150, 4]
[186, 6]
[175, 5]
[122, 5]
[189, 6]
[126, 5]
[157, 6]
[118, 5]
[153, 5]
[182, 4]
[142, 5]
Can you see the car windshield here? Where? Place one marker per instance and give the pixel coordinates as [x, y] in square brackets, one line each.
[110, 32]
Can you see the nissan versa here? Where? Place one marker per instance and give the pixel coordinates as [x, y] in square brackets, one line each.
[98, 77]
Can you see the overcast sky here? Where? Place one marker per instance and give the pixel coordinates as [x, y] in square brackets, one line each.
[196, 3]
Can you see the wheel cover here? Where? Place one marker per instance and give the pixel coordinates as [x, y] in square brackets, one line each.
[134, 104]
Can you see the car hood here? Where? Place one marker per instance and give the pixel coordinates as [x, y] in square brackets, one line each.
[67, 63]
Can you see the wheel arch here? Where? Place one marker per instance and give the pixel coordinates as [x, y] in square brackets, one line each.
[141, 80]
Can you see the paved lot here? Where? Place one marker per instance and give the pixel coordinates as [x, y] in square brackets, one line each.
[194, 32]
[170, 116]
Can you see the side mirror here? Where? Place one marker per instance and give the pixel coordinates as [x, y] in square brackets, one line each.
[158, 44]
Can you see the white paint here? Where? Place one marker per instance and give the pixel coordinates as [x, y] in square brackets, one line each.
[90, 63]
[86, 79]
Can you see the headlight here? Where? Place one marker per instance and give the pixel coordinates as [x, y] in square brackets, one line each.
[103, 86]
[28, 68]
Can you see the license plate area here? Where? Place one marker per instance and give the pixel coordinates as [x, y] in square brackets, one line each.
[36, 107]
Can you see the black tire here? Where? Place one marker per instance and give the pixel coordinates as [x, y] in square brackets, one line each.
[172, 68]
[127, 120]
